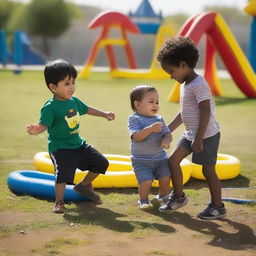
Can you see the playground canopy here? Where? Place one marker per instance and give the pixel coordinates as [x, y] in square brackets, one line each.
[146, 18]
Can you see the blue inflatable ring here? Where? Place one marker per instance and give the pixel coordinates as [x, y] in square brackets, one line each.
[39, 184]
[239, 200]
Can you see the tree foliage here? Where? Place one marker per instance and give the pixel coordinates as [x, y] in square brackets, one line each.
[6, 9]
[49, 18]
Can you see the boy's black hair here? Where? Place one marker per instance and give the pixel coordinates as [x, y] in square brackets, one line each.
[56, 71]
[138, 92]
[179, 49]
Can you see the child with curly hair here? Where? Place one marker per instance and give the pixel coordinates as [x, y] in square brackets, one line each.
[178, 57]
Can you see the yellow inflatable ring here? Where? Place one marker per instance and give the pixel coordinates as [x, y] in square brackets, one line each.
[127, 179]
[227, 167]
[117, 176]
[43, 162]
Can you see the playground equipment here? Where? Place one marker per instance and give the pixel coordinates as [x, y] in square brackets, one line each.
[220, 38]
[154, 71]
[4, 55]
[251, 10]
[109, 20]
[146, 19]
[23, 52]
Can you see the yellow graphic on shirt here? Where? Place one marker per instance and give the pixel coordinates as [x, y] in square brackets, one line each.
[72, 118]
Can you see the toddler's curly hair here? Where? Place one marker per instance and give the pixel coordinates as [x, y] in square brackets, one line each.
[179, 49]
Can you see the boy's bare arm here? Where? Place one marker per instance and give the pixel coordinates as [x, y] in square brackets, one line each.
[97, 112]
[176, 122]
[144, 133]
[167, 139]
[205, 111]
[34, 129]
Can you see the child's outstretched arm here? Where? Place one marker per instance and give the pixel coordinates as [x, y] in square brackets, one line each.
[144, 133]
[175, 123]
[167, 139]
[97, 112]
[34, 129]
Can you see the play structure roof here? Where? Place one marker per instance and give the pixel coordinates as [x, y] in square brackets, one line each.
[145, 10]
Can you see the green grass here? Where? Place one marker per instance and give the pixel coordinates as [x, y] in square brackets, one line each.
[22, 97]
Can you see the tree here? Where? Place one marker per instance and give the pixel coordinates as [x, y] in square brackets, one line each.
[6, 8]
[48, 18]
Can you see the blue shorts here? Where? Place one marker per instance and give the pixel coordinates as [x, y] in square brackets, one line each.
[150, 169]
[210, 150]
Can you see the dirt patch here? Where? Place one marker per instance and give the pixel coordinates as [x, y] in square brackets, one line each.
[145, 233]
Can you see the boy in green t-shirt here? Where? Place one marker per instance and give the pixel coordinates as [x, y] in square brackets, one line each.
[60, 116]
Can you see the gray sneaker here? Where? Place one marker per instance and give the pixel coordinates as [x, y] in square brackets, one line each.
[174, 203]
[212, 212]
[158, 200]
[87, 191]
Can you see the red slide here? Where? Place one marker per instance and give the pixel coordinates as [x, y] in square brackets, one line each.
[220, 38]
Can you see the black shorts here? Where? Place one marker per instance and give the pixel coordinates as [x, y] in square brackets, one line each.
[210, 150]
[66, 161]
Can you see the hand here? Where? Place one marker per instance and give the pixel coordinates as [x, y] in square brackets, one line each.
[157, 127]
[197, 146]
[33, 129]
[165, 144]
[166, 141]
[109, 116]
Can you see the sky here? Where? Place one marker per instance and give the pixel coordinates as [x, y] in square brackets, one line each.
[167, 7]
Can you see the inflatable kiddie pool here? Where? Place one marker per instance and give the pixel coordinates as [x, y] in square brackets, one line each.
[119, 174]
[227, 167]
[43, 162]
[39, 184]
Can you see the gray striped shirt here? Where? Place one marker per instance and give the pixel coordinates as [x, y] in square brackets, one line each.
[150, 148]
[191, 95]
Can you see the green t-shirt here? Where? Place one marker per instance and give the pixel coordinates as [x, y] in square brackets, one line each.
[62, 119]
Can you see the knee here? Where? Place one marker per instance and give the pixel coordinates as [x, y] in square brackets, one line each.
[103, 165]
[208, 171]
[173, 161]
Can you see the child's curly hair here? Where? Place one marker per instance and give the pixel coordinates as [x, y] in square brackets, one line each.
[179, 49]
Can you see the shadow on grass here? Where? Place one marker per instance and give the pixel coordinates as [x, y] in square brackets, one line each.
[91, 214]
[243, 238]
[220, 101]
[128, 191]
[238, 182]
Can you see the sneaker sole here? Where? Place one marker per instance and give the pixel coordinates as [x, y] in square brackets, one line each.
[212, 217]
[145, 208]
[173, 210]
[58, 212]
[91, 195]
